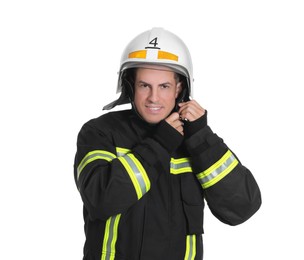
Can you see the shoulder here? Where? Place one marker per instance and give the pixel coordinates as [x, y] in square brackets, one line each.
[110, 120]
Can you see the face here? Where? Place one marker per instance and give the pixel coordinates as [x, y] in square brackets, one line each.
[155, 92]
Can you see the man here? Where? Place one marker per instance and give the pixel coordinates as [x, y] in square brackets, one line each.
[144, 173]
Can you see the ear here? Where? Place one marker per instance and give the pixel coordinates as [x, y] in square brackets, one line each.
[179, 87]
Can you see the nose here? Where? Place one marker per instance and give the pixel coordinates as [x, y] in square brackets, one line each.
[153, 95]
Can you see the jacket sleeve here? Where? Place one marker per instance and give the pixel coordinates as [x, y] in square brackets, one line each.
[231, 191]
[111, 179]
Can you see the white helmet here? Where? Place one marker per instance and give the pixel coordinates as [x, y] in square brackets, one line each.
[155, 47]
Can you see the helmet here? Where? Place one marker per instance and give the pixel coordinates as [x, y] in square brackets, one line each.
[154, 47]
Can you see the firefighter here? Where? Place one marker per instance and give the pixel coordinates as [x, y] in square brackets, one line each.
[144, 173]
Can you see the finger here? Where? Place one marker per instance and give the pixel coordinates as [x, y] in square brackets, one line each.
[187, 116]
[191, 115]
[181, 104]
[191, 111]
[180, 130]
[190, 104]
[195, 103]
[178, 125]
[171, 118]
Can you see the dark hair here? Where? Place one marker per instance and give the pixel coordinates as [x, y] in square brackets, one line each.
[128, 81]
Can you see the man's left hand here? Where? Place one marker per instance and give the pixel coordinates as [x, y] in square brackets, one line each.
[190, 110]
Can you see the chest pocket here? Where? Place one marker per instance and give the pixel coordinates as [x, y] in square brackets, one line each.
[193, 203]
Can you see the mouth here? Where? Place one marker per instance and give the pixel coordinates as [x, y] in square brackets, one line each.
[154, 109]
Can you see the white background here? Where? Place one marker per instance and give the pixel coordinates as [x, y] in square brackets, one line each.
[58, 67]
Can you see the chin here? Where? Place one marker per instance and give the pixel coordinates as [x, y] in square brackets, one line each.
[150, 121]
[153, 119]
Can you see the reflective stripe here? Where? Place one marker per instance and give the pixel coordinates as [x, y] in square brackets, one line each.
[137, 174]
[167, 56]
[110, 238]
[190, 247]
[138, 54]
[122, 151]
[177, 166]
[218, 170]
[92, 156]
[181, 165]
[142, 54]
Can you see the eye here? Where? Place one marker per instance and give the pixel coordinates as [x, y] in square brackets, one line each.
[143, 85]
[165, 86]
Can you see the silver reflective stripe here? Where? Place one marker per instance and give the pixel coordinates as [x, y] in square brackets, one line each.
[137, 174]
[135, 170]
[120, 154]
[190, 249]
[181, 165]
[92, 156]
[110, 238]
[218, 170]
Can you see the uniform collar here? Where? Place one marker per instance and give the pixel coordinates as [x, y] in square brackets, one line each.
[140, 126]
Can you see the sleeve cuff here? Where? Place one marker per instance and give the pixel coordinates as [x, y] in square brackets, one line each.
[192, 127]
[168, 137]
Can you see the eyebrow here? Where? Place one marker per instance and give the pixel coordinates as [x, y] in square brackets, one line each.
[161, 84]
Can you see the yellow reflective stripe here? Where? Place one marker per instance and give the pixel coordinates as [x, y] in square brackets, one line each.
[190, 247]
[135, 170]
[218, 171]
[167, 56]
[122, 151]
[110, 238]
[138, 54]
[181, 165]
[137, 174]
[132, 176]
[92, 156]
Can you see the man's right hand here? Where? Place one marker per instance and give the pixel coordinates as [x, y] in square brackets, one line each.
[175, 122]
